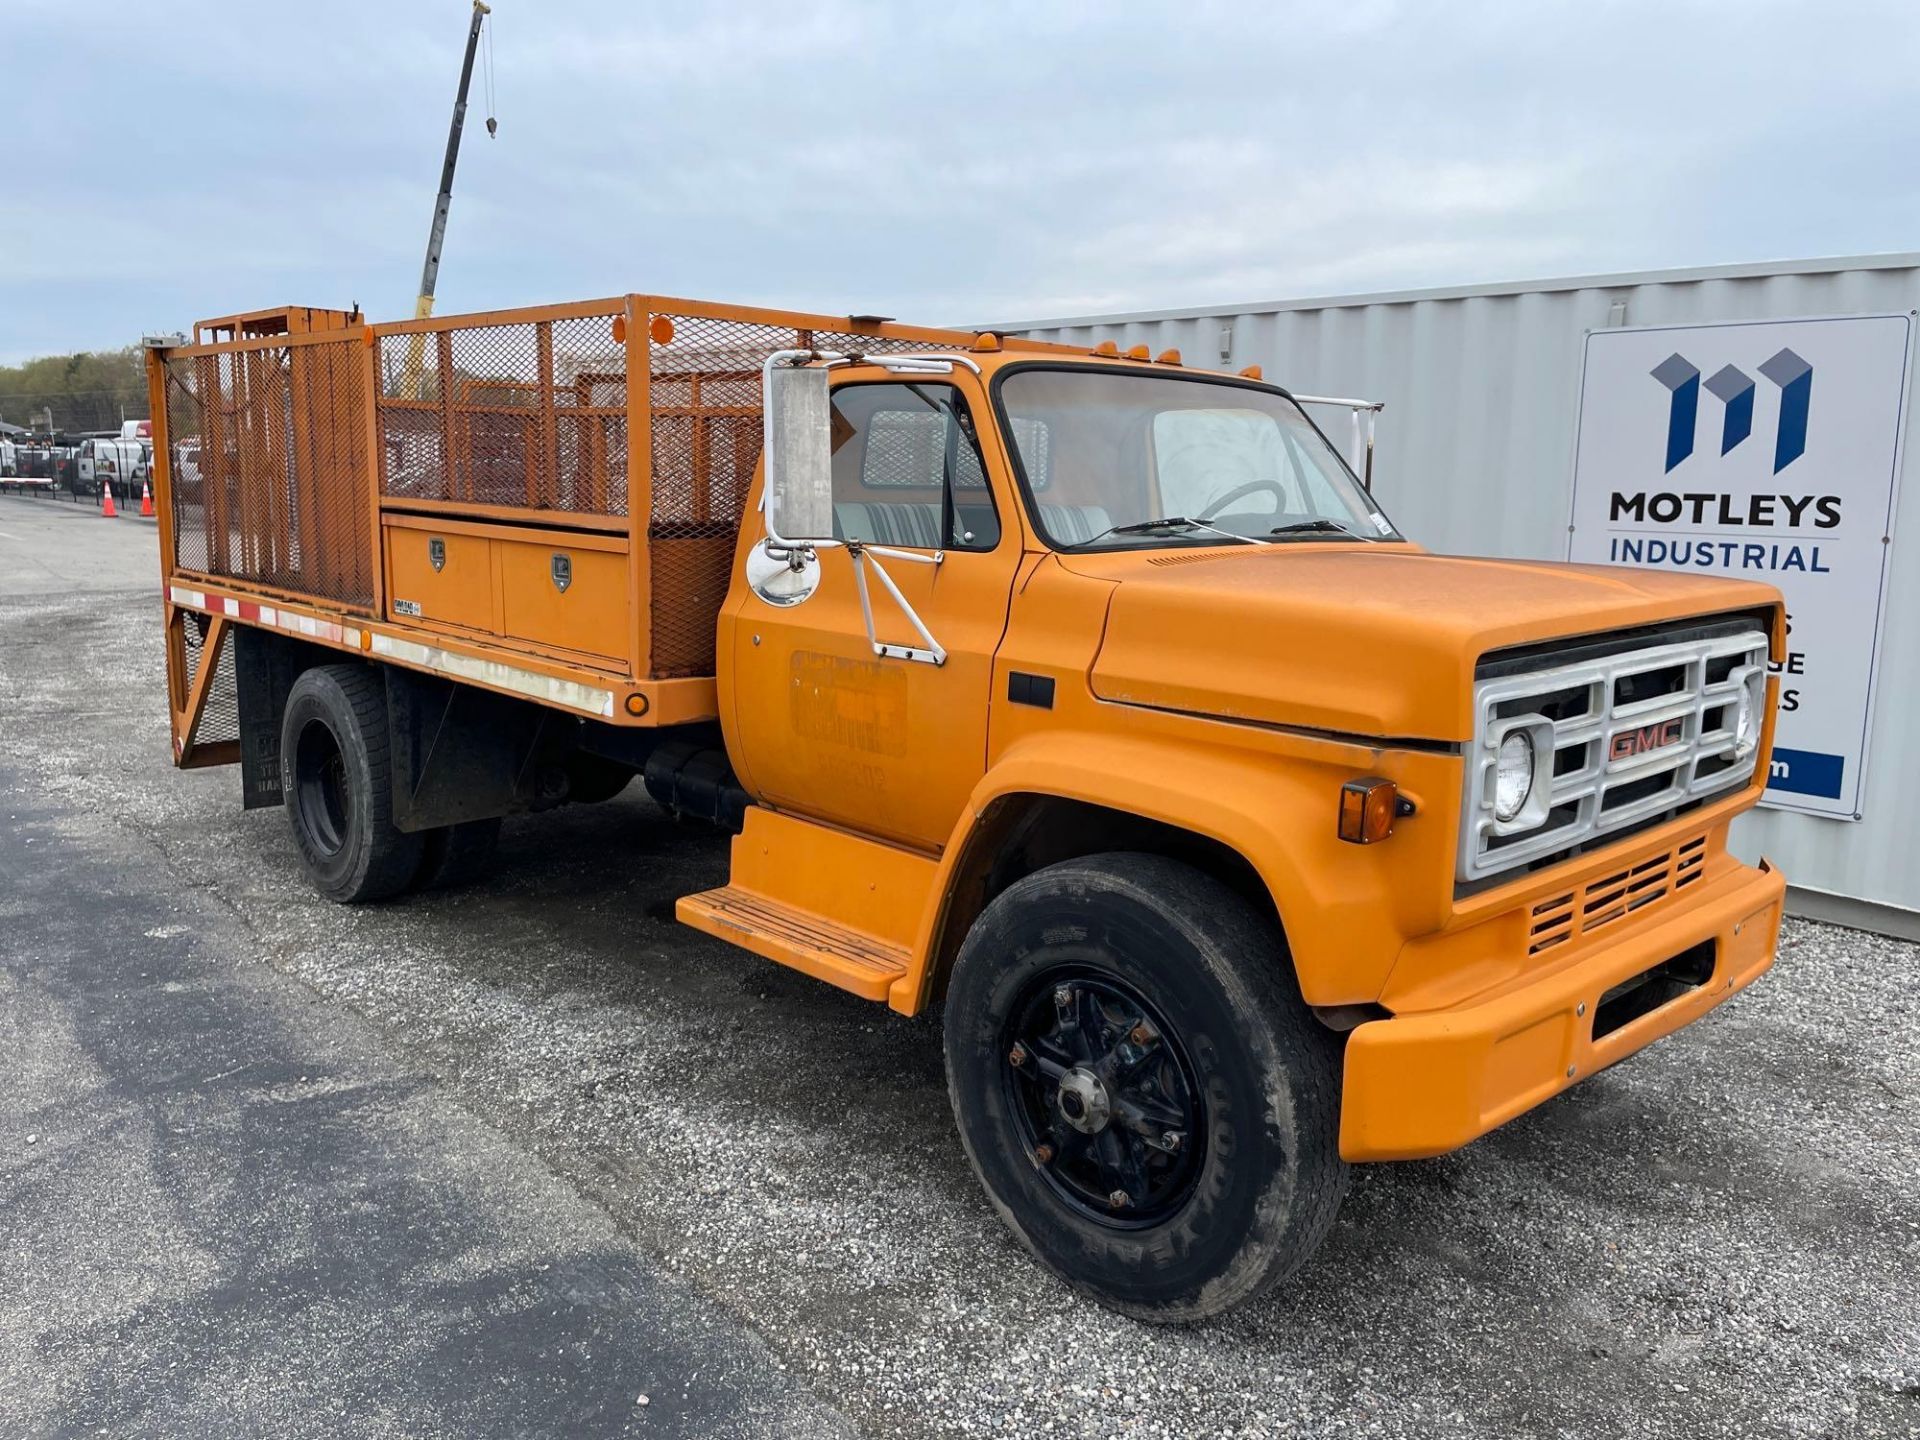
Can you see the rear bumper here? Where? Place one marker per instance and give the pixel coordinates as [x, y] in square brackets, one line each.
[1422, 1084]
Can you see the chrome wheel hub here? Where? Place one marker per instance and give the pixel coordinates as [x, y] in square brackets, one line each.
[1083, 1101]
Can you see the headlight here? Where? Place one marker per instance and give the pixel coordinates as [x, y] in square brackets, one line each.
[1513, 776]
[1746, 723]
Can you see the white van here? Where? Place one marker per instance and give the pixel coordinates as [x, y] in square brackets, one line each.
[121, 464]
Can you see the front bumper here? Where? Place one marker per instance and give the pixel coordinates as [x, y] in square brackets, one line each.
[1422, 1084]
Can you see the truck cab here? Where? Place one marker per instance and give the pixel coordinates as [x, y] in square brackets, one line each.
[1086, 699]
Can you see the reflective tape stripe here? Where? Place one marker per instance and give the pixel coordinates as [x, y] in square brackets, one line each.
[268, 615]
[589, 699]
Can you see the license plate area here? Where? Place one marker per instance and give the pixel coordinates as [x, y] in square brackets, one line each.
[1640, 995]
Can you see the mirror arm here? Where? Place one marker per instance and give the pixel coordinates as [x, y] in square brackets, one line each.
[933, 652]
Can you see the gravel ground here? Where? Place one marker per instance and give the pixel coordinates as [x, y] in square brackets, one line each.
[1721, 1236]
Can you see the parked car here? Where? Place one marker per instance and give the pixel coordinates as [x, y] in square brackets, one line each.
[119, 464]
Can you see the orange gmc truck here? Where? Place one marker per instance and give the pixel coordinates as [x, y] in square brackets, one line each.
[1083, 696]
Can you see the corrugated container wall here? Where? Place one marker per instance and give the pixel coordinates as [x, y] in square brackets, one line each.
[1475, 456]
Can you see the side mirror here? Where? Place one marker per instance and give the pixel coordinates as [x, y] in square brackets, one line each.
[799, 449]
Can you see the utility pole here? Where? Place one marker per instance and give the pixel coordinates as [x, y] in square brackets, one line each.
[430, 271]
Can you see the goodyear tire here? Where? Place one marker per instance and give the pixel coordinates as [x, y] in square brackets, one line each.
[456, 855]
[1149, 1104]
[336, 775]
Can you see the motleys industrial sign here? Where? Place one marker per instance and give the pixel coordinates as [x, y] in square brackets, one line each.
[1767, 450]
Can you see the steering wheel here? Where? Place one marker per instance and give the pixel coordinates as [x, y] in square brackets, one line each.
[1252, 487]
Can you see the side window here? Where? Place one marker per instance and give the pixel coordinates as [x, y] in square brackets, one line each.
[904, 460]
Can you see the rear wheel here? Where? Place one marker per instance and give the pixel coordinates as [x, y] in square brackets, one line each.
[456, 855]
[336, 775]
[1147, 1101]
[592, 780]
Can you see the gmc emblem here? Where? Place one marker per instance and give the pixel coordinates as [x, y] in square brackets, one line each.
[1629, 743]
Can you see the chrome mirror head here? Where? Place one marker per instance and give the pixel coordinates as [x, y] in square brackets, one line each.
[799, 453]
[782, 576]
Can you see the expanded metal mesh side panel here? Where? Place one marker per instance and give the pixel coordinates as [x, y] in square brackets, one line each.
[220, 718]
[705, 398]
[186, 423]
[268, 468]
[529, 415]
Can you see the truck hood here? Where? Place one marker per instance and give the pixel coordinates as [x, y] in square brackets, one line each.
[1364, 640]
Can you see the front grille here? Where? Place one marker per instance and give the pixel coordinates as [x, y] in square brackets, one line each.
[1564, 918]
[1620, 739]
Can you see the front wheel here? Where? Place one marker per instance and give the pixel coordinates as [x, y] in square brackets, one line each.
[1147, 1101]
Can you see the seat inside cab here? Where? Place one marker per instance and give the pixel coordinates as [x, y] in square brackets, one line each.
[898, 447]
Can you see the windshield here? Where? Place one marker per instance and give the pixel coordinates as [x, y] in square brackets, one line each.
[1117, 459]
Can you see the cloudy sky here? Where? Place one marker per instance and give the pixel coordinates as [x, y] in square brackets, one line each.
[941, 163]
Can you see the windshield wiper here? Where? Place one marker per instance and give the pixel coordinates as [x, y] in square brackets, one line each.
[1309, 527]
[1171, 522]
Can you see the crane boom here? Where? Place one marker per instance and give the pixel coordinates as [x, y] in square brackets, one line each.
[430, 270]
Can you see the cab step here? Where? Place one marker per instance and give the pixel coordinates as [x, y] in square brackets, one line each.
[803, 939]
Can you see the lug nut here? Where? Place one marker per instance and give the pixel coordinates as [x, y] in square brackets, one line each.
[1118, 1200]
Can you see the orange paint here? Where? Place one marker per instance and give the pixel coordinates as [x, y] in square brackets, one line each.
[581, 512]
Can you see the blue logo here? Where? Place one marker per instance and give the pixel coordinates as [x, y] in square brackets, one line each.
[1733, 388]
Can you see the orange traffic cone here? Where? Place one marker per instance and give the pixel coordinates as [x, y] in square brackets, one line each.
[106, 501]
[146, 499]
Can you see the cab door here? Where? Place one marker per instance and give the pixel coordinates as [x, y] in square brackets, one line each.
[817, 723]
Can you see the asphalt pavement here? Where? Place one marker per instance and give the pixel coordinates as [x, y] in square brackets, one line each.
[502, 1160]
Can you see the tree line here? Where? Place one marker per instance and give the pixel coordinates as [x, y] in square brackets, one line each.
[89, 390]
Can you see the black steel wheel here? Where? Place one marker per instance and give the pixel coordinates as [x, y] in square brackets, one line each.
[336, 777]
[323, 812]
[1151, 1107]
[1105, 1096]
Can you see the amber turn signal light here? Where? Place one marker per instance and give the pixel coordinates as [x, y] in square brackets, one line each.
[1368, 808]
